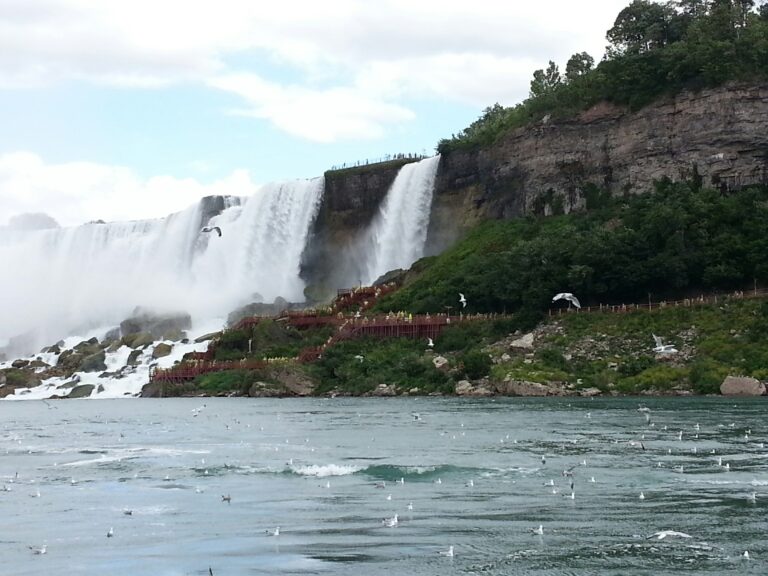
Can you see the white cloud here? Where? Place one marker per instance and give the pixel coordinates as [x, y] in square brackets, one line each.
[78, 192]
[319, 115]
[358, 62]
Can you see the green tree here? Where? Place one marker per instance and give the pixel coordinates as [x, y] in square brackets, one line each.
[641, 26]
[578, 65]
[545, 81]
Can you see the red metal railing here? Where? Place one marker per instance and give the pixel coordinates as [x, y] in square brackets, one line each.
[702, 300]
[190, 370]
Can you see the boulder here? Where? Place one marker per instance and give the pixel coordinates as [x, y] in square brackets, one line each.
[69, 384]
[742, 386]
[138, 340]
[174, 335]
[154, 324]
[440, 362]
[466, 388]
[133, 358]
[294, 382]
[93, 363]
[265, 390]
[115, 346]
[87, 346]
[81, 391]
[589, 392]
[384, 390]
[19, 363]
[162, 350]
[525, 342]
[112, 336]
[513, 387]
[205, 337]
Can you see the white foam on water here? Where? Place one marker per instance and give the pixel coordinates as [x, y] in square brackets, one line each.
[321, 471]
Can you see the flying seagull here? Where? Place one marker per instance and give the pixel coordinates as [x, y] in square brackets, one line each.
[359, 357]
[567, 296]
[662, 348]
[462, 300]
[212, 229]
[430, 343]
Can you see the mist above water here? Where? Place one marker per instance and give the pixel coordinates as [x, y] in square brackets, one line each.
[62, 280]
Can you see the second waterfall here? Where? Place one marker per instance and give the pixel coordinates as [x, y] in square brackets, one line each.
[399, 231]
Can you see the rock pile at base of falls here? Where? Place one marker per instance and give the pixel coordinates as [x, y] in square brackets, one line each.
[117, 365]
[158, 326]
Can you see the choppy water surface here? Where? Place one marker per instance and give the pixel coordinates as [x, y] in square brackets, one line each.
[328, 471]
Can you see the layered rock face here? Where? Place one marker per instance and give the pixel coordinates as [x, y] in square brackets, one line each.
[720, 134]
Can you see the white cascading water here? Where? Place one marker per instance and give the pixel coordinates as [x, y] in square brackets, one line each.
[399, 231]
[60, 281]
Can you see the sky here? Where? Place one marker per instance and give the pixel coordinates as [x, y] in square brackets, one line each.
[128, 109]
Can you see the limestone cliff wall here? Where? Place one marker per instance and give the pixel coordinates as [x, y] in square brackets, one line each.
[720, 133]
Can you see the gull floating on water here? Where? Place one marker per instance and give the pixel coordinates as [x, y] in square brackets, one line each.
[110, 532]
[41, 550]
[390, 522]
[275, 532]
[448, 552]
[539, 530]
[227, 498]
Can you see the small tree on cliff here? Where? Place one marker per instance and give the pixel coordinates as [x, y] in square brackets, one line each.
[545, 82]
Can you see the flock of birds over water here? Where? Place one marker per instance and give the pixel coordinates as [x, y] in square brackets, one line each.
[565, 487]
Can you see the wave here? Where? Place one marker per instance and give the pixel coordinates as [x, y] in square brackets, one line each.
[323, 470]
[394, 472]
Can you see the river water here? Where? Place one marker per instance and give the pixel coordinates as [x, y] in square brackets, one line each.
[328, 471]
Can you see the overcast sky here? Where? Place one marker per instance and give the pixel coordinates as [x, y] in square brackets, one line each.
[123, 109]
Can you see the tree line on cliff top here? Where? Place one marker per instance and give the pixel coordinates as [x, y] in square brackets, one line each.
[655, 49]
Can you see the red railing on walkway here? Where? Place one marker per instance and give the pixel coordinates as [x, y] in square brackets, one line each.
[190, 370]
[702, 300]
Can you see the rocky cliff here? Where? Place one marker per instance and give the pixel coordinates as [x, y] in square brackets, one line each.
[721, 135]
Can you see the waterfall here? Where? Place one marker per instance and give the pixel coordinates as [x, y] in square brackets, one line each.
[60, 281]
[399, 231]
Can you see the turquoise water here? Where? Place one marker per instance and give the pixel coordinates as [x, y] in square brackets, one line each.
[327, 472]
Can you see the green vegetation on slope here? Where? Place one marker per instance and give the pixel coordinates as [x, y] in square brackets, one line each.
[613, 351]
[678, 240]
[656, 49]
[268, 339]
